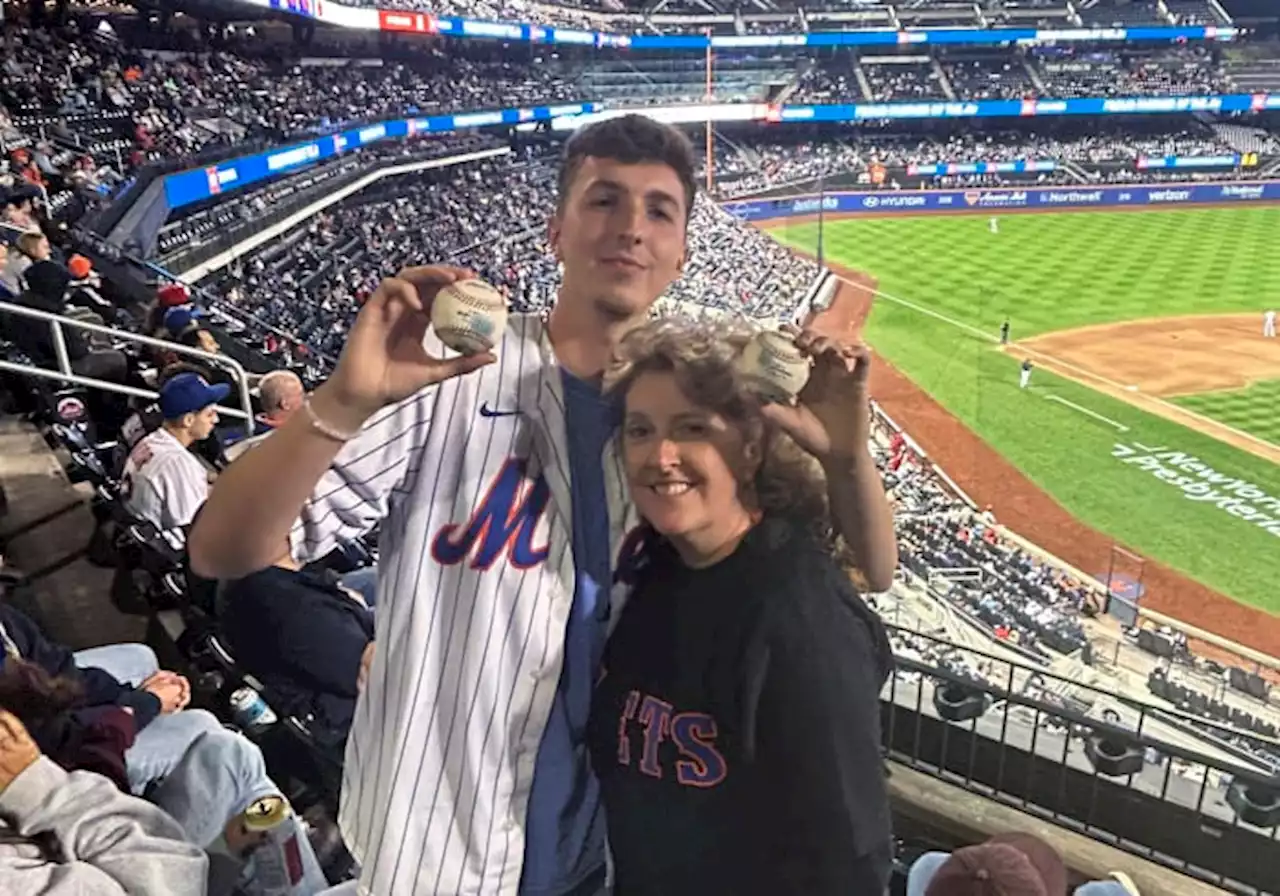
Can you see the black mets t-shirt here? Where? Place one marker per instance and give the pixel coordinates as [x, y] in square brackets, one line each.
[735, 729]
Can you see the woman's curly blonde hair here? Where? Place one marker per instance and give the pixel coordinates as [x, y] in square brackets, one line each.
[788, 482]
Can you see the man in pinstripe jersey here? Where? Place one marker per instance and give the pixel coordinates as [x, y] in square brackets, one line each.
[503, 508]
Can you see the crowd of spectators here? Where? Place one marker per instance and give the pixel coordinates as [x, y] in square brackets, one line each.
[902, 81]
[1191, 12]
[1188, 70]
[1106, 15]
[765, 166]
[181, 93]
[1099, 142]
[112, 782]
[491, 217]
[620, 17]
[1003, 78]
[1025, 601]
[85, 106]
[1062, 71]
[1195, 702]
[1102, 152]
[223, 222]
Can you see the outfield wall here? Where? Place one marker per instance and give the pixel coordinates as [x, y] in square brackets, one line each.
[995, 199]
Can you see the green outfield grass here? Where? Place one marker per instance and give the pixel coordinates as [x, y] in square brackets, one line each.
[1255, 409]
[1049, 272]
[1054, 271]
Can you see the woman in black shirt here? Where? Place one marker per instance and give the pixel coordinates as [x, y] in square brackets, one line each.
[736, 726]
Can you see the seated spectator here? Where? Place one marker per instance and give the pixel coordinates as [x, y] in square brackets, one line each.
[84, 711]
[84, 291]
[1009, 864]
[308, 638]
[30, 247]
[280, 395]
[70, 731]
[147, 418]
[18, 209]
[9, 286]
[161, 693]
[47, 281]
[163, 482]
[178, 322]
[196, 336]
[170, 296]
[74, 832]
[199, 337]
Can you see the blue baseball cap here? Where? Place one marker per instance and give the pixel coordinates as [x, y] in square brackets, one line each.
[187, 393]
[176, 320]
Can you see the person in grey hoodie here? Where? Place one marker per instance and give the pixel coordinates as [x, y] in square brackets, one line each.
[76, 834]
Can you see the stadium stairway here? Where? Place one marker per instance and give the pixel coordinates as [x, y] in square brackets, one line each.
[44, 532]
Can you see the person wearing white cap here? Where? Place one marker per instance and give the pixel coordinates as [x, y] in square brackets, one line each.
[163, 482]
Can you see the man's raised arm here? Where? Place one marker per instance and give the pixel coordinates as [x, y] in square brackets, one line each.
[346, 435]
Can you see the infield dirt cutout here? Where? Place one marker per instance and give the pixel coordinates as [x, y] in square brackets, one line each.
[1145, 362]
[1026, 508]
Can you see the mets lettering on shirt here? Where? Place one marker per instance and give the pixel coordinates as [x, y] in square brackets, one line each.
[504, 521]
[697, 762]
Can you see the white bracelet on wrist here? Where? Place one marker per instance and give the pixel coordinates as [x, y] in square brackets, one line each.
[325, 429]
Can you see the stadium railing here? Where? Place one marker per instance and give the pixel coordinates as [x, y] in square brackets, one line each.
[986, 737]
[65, 374]
[1253, 660]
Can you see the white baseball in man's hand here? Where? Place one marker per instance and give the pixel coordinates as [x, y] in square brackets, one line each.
[469, 316]
[384, 360]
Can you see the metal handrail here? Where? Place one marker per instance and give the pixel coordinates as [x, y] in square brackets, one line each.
[1010, 695]
[64, 372]
[1142, 706]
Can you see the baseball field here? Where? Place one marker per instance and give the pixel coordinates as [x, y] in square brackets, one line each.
[1153, 411]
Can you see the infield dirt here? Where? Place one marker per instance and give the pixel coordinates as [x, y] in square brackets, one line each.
[1022, 506]
[1144, 362]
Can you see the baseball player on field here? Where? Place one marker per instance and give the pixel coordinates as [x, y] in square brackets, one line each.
[1269, 324]
[504, 511]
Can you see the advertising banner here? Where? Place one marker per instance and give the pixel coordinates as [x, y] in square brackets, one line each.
[996, 200]
[196, 184]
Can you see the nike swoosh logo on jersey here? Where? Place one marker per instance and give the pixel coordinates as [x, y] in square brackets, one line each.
[486, 411]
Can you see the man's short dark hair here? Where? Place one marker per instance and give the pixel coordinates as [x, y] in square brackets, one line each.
[633, 140]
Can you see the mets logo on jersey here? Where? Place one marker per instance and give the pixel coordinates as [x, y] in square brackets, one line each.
[504, 522]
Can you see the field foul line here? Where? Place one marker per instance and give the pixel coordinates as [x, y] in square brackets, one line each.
[1094, 414]
[1177, 409]
[982, 334]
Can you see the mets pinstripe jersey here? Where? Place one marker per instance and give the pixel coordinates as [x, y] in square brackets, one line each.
[470, 481]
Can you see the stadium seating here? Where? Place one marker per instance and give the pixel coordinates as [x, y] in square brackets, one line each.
[1140, 12]
[1198, 703]
[990, 78]
[96, 114]
[311, 283]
